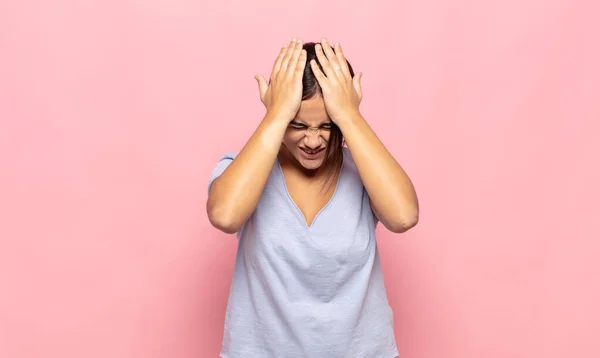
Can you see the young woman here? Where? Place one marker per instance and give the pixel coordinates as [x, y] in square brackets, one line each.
[307, 279]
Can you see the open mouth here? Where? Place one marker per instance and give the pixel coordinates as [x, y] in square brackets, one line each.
[312, 152]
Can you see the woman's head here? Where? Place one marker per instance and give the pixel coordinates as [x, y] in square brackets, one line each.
[312, 139]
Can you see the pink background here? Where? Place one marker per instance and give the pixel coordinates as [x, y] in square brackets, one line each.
[113, 114]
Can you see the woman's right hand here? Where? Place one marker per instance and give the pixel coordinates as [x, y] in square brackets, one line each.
[283, 95]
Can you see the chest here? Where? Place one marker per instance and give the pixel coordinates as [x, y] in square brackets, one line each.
[311, 229]
[309, 196]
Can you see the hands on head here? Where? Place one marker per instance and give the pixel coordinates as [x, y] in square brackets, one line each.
[341, 91]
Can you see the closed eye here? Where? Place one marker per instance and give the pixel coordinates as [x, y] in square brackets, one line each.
[299, 126]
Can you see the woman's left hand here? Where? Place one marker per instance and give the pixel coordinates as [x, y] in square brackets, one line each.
[341, 93]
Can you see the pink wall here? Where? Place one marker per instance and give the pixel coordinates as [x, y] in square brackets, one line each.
[113, 114]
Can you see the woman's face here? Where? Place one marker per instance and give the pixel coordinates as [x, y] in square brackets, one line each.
[307, 135]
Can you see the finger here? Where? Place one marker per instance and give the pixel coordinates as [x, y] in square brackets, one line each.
[356, 81]
[342, 59]
[323, 60]
[333, 61]
[288, 55]
[262, 85]
[278, 61]
[318, 74]
[301, 63]
[295, 56]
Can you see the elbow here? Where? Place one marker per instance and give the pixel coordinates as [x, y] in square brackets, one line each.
[225, 226]
[403, 224]
[222, 219]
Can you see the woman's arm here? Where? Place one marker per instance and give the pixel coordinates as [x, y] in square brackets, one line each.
[233, 195]
[392, 194]
[393, 197]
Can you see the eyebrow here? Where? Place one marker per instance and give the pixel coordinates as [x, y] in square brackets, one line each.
[304, 124]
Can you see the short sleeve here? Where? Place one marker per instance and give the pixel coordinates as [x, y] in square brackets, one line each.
[222, 164]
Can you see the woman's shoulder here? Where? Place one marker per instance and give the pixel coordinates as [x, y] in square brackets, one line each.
[349, 167]
[348, 163]
[228, 156]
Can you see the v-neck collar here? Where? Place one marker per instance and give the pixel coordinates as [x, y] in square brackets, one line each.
[289, 196]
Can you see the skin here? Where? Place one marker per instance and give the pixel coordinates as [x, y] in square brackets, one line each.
[302, 135]
[234, 195]
[298, 170]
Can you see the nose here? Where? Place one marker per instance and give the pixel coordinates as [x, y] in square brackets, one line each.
[311, 140]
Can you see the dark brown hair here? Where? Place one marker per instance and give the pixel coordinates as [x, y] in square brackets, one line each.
[310, 88]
